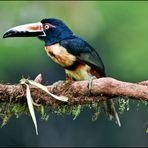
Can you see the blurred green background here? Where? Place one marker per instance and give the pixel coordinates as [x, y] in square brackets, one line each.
[117, 30]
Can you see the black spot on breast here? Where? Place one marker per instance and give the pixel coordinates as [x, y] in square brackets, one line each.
[73, 66]
[52, 54]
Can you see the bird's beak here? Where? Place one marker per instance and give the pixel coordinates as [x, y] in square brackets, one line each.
[28, 30]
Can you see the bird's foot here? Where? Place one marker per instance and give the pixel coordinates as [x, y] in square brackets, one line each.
[90, 84]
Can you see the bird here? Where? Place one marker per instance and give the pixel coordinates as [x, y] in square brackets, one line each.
[78, 58]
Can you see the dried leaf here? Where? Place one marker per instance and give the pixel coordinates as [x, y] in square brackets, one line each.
[44, 88]
[30, 106]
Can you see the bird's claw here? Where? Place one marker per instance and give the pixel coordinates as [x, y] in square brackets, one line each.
[90, 84]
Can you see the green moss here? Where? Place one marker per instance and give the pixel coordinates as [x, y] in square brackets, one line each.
[144, 102]
[17, 109]
[69, 110]
[123, 105]
[44, 114]
[5, 113]
[9, 109]
[97, 109]
[76, 110]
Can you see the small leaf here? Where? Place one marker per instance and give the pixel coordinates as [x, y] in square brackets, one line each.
[44, 88]
[30, 106]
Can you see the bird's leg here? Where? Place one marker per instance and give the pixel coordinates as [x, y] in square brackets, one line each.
[90, 84]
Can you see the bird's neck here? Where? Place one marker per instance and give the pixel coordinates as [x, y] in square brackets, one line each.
[56, 37]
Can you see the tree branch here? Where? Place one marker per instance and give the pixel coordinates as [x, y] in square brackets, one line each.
[77, 92]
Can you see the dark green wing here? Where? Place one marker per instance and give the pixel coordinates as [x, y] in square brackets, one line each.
[84, 53]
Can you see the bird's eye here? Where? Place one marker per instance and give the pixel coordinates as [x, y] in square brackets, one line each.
[47, 26]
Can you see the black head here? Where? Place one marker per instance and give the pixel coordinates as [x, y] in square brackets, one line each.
[55, 31]
[50, 30]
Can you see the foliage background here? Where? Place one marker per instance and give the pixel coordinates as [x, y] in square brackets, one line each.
[118, 30]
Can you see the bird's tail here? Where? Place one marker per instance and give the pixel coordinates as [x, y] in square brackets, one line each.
[111, 111]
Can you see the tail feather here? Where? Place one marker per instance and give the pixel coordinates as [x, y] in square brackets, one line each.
[111, 111]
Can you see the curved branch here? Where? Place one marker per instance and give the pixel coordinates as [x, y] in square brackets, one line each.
[77, 92]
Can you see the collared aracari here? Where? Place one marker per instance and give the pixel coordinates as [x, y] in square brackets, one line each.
[78, 58]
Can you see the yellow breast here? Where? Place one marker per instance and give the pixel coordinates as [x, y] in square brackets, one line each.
[60, 55]
[80, 73]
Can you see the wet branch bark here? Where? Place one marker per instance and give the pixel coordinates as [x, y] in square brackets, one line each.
[77, 92]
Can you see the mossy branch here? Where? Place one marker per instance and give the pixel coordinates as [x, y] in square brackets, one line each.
[13, 98]
[77, 92]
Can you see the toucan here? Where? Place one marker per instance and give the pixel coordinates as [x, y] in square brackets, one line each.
[78, 58]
